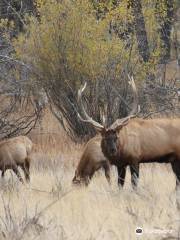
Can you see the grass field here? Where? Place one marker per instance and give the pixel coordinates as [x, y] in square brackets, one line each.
[51, 208]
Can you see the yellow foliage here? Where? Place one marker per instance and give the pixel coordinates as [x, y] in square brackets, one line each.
[67, 32]
[67, 37]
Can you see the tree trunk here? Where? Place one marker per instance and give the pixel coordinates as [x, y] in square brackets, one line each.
[165, 27]
[140, 29]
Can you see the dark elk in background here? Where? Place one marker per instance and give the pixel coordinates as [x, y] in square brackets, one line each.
[130, 141]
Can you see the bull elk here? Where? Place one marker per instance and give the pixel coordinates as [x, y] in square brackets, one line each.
[91, 160]
[15, 152]
[130, 141]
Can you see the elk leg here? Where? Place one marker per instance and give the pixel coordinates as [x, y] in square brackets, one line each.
[16, 171]
[3, 169]
[25, 168]
[3, 172]
[121, 176]
[107, 172]
[176, 169]
[87, 181]
[134, 175]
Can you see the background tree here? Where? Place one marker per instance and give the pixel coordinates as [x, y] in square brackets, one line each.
[165, 16]
[140, 29]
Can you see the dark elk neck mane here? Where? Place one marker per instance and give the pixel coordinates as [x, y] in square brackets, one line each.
[114, 160]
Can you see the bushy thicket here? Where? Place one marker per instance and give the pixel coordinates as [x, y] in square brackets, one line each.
[71, 42]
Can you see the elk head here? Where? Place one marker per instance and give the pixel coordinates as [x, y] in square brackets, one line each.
[110, 143]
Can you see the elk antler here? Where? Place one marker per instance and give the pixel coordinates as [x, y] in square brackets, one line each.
[135, 110]
[136, 107]
[87, 119]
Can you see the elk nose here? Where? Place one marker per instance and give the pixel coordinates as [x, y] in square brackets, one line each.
[113, 150]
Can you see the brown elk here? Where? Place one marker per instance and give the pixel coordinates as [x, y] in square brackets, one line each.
[15, 152]
[130, 141]
[91, 160]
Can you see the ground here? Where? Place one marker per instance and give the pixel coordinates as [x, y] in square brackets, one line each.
[51, 208]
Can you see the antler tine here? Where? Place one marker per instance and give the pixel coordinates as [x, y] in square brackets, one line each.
[87, 119]
[135, 110]
[136, 107]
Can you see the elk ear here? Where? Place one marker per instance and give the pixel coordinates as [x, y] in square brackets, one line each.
[118, 128]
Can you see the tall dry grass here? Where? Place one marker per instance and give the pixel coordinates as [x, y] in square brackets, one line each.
[51, 208]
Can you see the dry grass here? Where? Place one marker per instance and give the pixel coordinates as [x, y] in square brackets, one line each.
[51, 208]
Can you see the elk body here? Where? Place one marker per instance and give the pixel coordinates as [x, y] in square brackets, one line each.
[131, 141]
[91, 160]
[143, 141]
[15, 152]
